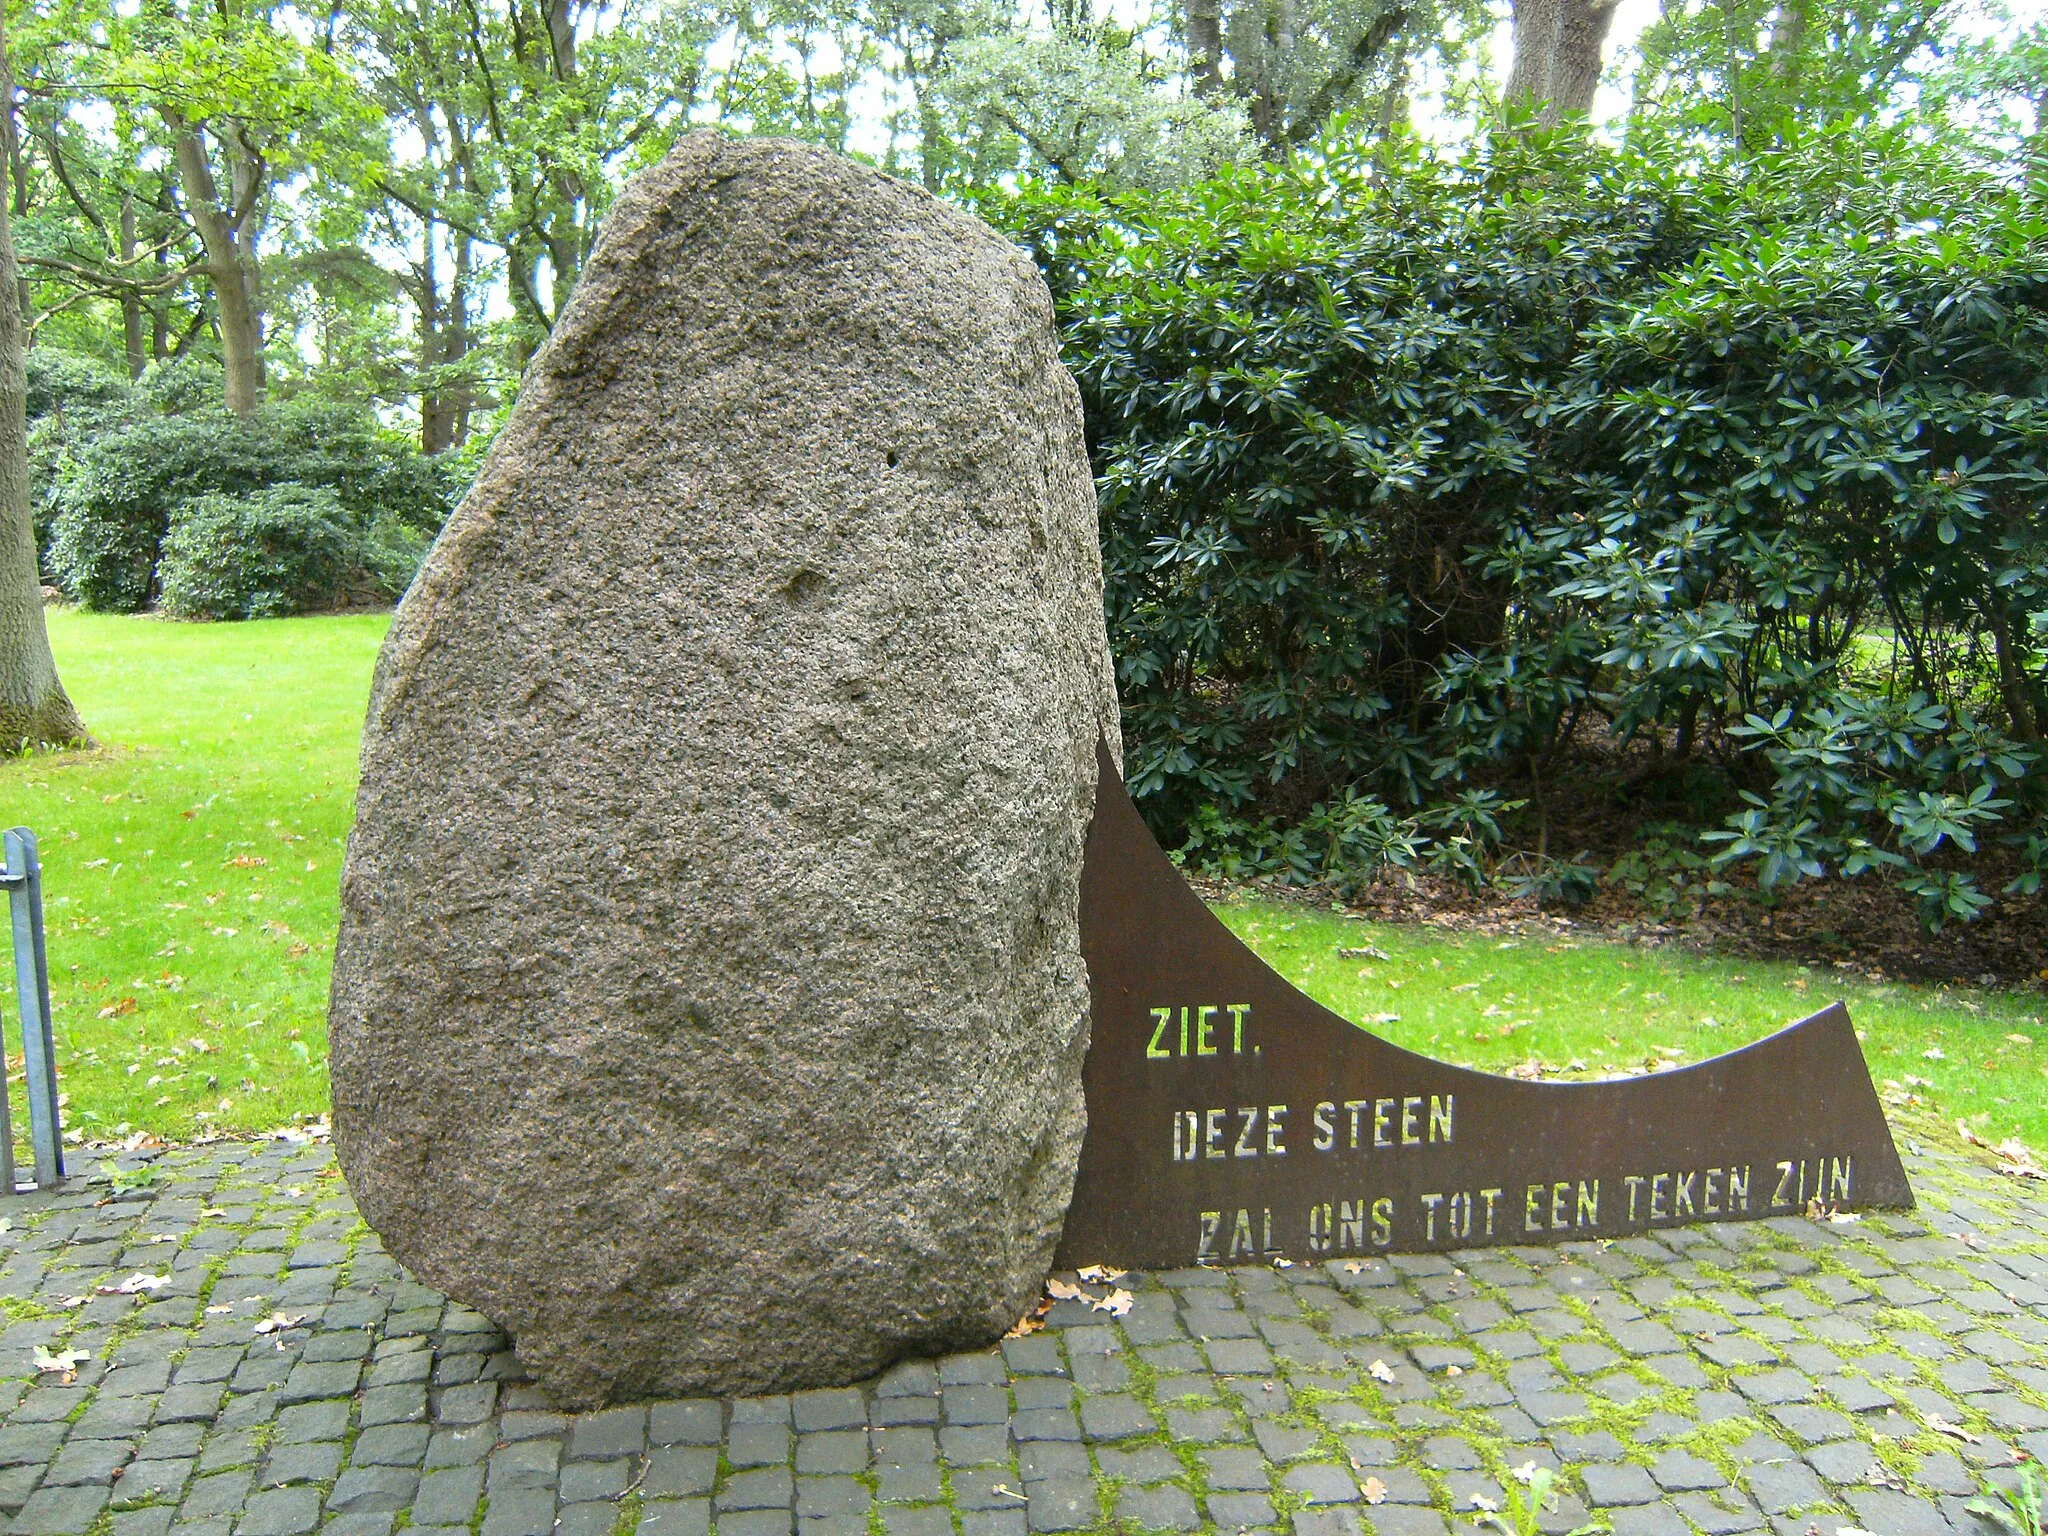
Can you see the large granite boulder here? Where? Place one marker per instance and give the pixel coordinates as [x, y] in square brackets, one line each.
[709, 1006]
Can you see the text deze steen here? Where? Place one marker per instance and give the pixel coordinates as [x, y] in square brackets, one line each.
[1360, 1130]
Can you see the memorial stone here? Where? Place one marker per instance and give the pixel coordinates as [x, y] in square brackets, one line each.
[709, 1006]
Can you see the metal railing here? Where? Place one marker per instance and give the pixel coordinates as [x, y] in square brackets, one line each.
[21, 876]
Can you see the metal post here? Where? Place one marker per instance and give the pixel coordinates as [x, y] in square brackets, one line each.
[6, 1113]
[24, 881]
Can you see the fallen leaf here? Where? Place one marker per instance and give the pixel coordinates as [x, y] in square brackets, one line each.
[1934, 1053]
[1942, 1426]
[1117, 1303]
[1101, 1274]
[135, 1285]
[277, 1322]
[218, 1311]
[1030, 1322]
[1375, 1491]
[1525, 1473]
[119, 1009]
[1059, 1290]
[1481, 1501]
[2017, 1159]
[1379, 1370]
[67, 1361]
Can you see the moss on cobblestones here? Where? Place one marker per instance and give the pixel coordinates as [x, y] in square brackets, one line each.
[1809, 1302]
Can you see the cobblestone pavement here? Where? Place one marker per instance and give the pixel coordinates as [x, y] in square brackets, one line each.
[287, 1376]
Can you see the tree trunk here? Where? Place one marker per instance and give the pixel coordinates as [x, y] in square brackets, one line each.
[17, 169]
[444, 343]
[1582, 33]
[1392, 113]
[1251, 77]
[455, 345]
[246, 171]
[522, 261]
[564, 268]
[1205, 45]
[34, 709]
[1788, 43]
[1536, 26]
[241, 325]
[131, 301]
[561, 20]
[160, 307]
[1556, 67]
[434, 431]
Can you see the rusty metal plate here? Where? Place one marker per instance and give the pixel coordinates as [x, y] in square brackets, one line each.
[1233, 1120]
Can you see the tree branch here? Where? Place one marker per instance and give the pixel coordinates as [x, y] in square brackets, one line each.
[1363, 52]
[63, 175]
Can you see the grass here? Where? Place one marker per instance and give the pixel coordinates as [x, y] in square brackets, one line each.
[1498, 1001]
[192, 863]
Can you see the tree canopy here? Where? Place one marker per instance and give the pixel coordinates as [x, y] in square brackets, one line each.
[389, 201]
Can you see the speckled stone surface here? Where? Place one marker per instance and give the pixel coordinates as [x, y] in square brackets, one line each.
[709, 1005]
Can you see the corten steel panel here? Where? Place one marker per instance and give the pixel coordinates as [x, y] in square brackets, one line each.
[1231, 1119]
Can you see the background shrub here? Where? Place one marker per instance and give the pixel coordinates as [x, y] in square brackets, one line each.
[114, 500]
[70, 400]
[1418, 477]
[260, 556]
[117, 492]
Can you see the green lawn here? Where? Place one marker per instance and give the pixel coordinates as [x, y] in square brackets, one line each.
[1598, 1008]
[191, 865]
[191, 877]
